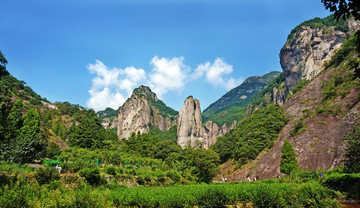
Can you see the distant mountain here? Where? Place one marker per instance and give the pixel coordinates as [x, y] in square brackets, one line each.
[141, 111]
[231, 106]
[108, 118]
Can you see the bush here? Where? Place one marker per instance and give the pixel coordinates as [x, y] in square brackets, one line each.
[212, 197]
[47, 175]
[92, 176]
[348, 183]
[110, 170]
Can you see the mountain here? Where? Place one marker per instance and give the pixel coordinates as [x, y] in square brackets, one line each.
[310, 45]
[109, 118]
[231, 106]
[141, 111]
[320, 79]
[189, 124]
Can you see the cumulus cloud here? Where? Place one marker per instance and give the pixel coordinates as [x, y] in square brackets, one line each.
[168, 74]
[216, 74]
[109, 85]
[112, 86]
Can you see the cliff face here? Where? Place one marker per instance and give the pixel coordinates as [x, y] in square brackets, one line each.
[189, 124]
[140, 111]
[212, 131]
[308, 48]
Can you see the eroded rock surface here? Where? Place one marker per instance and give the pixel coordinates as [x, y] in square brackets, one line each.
[189, 125]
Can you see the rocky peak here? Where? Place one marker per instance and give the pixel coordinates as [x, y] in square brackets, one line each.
[189, 125]
[142, 110]
[308, 47]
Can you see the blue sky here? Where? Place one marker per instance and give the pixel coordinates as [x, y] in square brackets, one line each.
[95, 52]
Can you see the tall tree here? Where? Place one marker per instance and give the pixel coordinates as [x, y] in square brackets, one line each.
[288, 158]
[14, 120]
[3, 63]
[352, 163]
[343, 8]
[29, 144]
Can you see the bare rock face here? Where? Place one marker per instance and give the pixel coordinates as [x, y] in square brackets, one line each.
[212, 131]
[139, 112]
[189, 125]
[304, 54]
[110, 123]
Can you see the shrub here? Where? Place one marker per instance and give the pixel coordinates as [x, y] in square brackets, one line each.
[47, 175]
[348, 183]
[110, 170]
[92, 176]
[212, 197]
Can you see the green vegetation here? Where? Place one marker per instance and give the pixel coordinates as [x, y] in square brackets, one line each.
[265, 96]
[342, 9]
[301, 84]
[321, 23]
[299, 127]
[349, 184]
[107, 113]
[352, 164]
[71, 191]
[170, 134]
[288, 161]
[231, 106]
[251, 136]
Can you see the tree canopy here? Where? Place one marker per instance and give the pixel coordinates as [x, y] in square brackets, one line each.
[288, 158]
[343, 8]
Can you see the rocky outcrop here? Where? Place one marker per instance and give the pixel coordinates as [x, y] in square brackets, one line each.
[141, 111]
[189, 125]
[110, 123]
[305, 52]
[212, 131]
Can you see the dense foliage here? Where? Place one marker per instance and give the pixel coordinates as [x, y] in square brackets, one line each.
[252, 135]
[74, 192]
[108, 112]
[288, 161]
[265, 96]
[352, 154]
[343, 8]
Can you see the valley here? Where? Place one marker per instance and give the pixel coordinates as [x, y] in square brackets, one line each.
[282, 139]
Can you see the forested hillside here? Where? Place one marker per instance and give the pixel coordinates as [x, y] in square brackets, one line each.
[231, 106]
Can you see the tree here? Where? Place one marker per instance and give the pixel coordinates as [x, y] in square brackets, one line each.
[14, 120]
[352, 154]
[3, 63]
[343, 8]
[205, 164]
[288, 158]
[28, 145]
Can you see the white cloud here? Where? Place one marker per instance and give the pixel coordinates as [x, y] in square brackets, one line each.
[168, 74]
[112, 86]
[108, 83]
[99, 100]
[216, 74]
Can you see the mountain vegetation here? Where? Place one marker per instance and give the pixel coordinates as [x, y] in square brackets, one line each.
[322, 23]
[231, 106]
[107, 113]
[252, 135]
[288, 158]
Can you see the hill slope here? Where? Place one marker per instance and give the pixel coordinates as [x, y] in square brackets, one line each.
[231, 106]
